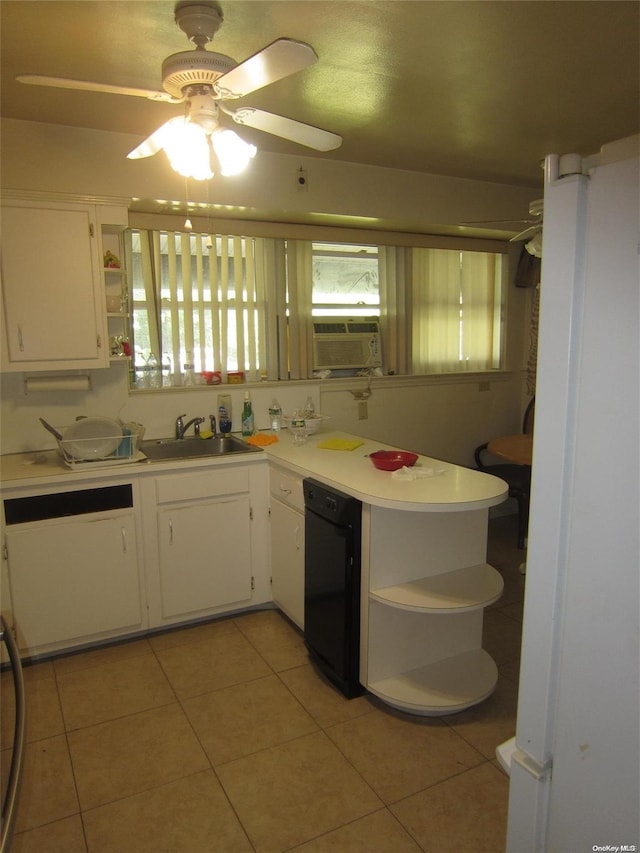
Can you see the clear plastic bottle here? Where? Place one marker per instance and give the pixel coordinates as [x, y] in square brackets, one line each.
[309, 410]
[275, 415]
[155, 375]
[298, 428]
[189, 375]
[247, 417]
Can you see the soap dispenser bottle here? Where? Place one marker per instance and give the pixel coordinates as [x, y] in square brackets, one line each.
[247, 417]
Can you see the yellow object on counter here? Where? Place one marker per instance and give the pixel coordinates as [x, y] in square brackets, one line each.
[340, 444]
[261, 440]
[206, 434]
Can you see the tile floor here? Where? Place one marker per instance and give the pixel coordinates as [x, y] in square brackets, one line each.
[223, 738]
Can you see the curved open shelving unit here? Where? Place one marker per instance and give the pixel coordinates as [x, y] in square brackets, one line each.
[470, 588]
[444, 687]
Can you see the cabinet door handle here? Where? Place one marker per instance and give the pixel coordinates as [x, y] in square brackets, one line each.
[170, 533]
[285, 491]
[20, 339]
[123, 533]
[297, 537]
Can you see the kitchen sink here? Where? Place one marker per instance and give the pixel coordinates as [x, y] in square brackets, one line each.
[161, 449]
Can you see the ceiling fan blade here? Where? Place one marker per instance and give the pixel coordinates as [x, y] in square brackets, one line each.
[279, 59]
[500, 222]
[86, 86]
[152, 144]
[294, 131]
[526, 234]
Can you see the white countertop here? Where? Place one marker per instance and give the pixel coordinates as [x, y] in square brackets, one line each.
[451, 488]
[44, 467]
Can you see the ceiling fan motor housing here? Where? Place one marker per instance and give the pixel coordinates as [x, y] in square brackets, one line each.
[193, 68]
[199, 21]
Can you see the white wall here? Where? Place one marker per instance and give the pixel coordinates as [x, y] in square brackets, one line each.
[52, 158]
[444, 417]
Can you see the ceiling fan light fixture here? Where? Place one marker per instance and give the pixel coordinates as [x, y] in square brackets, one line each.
[185, 144]
[233, 153]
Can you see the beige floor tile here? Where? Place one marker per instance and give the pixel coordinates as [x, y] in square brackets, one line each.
[247, 717]
[47, 791]
[487, 725]
[133, 754]
[190, 815]
[501, 636]
[399, 754]
[466, 813]
[217, 662]
[322, 700]
[380, 832]
[193, 634]
[111, 690]
[63, 836]
[294, 792]
[279, 643]
[106, 654]
[44, 717]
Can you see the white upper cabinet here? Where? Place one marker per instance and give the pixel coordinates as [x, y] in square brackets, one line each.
[53, 293]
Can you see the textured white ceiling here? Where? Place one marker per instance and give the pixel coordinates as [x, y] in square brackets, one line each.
[472, 89]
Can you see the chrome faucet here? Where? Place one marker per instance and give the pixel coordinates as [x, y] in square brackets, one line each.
[181, 427]
[212, 419]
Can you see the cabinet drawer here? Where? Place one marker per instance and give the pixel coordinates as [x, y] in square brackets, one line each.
[287, 488]
[205, 484]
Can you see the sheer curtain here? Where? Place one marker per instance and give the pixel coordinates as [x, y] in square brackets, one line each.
[435, 322]
[481, 290]
[299, 297]
[394, 267]
[456, 304]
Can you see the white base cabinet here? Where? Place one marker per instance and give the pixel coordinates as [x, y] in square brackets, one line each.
[205, 542]
[425, 586]
[287, 543]
[74, 580]
[161, 550]
[205, 556]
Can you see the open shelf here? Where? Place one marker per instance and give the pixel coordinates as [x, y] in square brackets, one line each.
[470, 588]
[443, 687]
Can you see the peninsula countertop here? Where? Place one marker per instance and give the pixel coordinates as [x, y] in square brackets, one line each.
[446, 488]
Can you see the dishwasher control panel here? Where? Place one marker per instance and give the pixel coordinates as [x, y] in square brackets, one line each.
[330, 504]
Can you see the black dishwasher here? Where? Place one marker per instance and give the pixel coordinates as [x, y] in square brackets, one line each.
[332, 584]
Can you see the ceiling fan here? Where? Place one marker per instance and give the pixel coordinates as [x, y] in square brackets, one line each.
[204, 81]
[532, 234]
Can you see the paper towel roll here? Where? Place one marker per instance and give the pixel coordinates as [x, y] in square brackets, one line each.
[57, 383]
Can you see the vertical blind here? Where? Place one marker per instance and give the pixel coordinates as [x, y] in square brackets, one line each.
[205, 300]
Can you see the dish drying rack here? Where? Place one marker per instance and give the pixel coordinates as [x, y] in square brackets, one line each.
[83, 453]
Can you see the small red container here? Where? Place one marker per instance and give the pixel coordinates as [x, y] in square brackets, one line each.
[392, 460]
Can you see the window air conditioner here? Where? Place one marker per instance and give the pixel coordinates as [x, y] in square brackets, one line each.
[340, 343]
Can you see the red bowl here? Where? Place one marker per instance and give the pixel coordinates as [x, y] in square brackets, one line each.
[392, 460]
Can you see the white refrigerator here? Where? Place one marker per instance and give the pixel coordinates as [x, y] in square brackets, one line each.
[574, 771]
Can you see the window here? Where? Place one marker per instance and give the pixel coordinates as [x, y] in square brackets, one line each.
[224, 303]
[345, 280]
[457, 301]
[199, 304]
